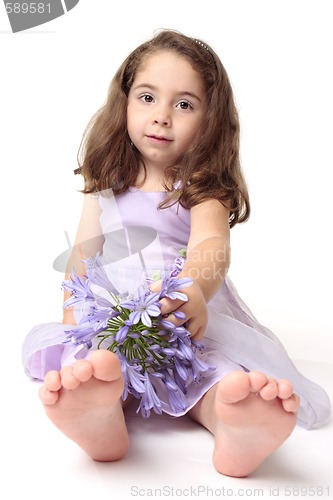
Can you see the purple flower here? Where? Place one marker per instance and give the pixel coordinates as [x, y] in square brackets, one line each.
[171, 286]
[182, 384]
[184, 345]
[178, 401]
[145, 306]
[168, 351]
[100, 317]
[149, 400]
[82, 334]
[122, 334]
[198, 367]
[179, 315]
[97, 275]
[153, 351]
[176, 396]
[79, 290]
[169, 382]
[133, 378]
[177, 266]
[180, 369]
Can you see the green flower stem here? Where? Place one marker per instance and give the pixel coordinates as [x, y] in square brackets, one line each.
[137, 348]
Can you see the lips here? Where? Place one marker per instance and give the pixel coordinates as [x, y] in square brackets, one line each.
[158, 139]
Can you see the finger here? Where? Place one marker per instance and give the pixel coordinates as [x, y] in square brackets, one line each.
[179, 315]
[176, 318]
[198, 335]
[156, 286]
[196, 329]
[169, 306]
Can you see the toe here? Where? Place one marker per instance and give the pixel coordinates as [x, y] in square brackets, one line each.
[270, 390]
[106, 365]
[285, 389]
[257, 380]
[48, 397]
[234, 387]
[83, 370]
[291, 405]
[52, 381]
[68, 379]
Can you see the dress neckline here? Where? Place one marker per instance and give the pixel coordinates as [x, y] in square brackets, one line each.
[137, 190]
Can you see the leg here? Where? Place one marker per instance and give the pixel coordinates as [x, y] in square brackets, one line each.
[250, 416]
[84, 402]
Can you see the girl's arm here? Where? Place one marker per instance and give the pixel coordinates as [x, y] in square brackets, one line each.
[208, 251]
[89, 240]
[207, 263]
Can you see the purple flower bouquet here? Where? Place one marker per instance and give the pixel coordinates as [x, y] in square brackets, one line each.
[153, 352]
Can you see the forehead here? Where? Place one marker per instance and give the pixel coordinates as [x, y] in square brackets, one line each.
[167, 66]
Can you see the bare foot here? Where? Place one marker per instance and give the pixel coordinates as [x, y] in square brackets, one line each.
[254, 415]
[84, 402]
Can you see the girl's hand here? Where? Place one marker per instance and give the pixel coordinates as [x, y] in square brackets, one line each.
[194, 312]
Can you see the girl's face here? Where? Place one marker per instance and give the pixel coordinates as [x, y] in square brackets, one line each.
[166, 105]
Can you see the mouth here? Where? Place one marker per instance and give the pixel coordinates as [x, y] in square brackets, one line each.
[158, 139]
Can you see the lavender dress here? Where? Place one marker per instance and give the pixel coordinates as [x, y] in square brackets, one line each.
[140, 239]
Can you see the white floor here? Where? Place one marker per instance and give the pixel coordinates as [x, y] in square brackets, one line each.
[169, 458]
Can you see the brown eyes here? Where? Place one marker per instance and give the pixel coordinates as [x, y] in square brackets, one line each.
[185, 105]
[148, 98]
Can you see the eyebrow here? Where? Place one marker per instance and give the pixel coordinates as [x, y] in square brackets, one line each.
[152, 87]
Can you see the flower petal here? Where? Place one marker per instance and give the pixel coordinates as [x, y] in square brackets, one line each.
[145, 318]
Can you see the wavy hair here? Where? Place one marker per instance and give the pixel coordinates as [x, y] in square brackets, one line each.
[211, 169]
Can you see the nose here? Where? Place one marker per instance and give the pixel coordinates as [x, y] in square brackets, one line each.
[162, 116]
[165, 123]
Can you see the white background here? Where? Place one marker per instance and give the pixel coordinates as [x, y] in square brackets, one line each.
[278, 54]
[279, 58]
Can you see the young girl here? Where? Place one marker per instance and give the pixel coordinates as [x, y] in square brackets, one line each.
[162, 155]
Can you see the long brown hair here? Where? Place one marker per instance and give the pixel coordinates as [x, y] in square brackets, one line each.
[211, 169]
